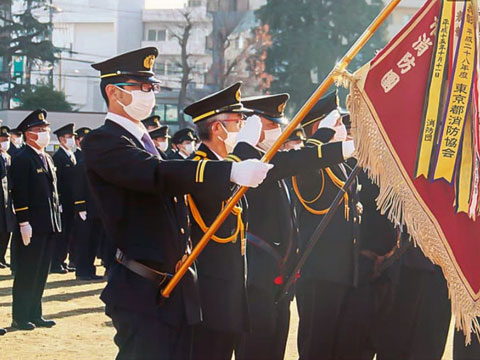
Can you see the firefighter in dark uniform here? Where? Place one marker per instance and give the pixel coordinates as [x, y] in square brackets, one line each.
[81, 132]
[271, 235]
[140, 198]
[105, 249]
[183, 144]
[88, 226]
[416, 325]
[160, 138]
[151, 123]
[37, 205]
[221, 267]
[330, 274]
[65, 162]
[7, 216]
[377, 273]
[16, 139]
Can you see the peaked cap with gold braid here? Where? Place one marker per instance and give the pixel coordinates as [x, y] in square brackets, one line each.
[136, 64]
[223, 101]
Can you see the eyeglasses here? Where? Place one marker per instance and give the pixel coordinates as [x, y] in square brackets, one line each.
[145, 87]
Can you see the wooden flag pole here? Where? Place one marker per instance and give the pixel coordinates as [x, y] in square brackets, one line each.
[344, 62]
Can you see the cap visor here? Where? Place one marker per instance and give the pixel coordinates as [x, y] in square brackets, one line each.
[279, 120]
[144, 79]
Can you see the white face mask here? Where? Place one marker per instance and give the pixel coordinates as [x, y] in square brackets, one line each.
[5, 145]
[141, 105]
[17, 142]
[230, 141]
[297, 147]
[163, 145]
[43, 139]
[340, 133]
[270, 137]
[188, 149]
[69, 143]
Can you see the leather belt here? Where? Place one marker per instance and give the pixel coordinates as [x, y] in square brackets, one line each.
[144, 271]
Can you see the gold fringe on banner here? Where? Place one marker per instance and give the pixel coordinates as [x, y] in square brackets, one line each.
[400, 201]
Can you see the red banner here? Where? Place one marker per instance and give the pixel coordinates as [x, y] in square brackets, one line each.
[387, 103]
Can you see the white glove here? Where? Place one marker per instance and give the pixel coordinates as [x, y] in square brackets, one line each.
[26, 231]
[83, 215]
[249, 173]
[348, 148]
[330, 120]
[251, 131]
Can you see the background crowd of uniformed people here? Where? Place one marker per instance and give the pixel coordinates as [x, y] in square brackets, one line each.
[140, 199]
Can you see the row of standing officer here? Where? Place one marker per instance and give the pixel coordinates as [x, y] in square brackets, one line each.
[37, 195]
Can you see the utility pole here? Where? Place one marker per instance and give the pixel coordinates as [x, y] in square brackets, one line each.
[50, 37]
[5, 70]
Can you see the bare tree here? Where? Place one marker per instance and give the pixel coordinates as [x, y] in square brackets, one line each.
[249, 64]
[225, 17]
[183, 35]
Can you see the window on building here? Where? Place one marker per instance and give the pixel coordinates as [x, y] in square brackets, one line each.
[161, 35]
[173, 69]
[168, 113]
[201, 68]
[194, 3]
[160, 68]
[152, 35]
[171, 113]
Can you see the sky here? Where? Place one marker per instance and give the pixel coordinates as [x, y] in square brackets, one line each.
[164, 4]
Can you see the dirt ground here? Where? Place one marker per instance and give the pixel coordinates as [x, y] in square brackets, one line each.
[83, 332]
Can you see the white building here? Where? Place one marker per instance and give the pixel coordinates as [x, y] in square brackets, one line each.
[402, 14]
[89, 31]
[161, 26]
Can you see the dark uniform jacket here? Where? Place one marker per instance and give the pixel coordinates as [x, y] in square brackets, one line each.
[175, 155]
[13, 150]
[7, 216]
[35, 194]
[66, 179]
[270, 209]
[141, 204]
[221, 266]
[335, 257]
[78, 155]
[378, 234]
[82, 196]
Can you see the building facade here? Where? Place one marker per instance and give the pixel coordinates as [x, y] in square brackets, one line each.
[88, 31]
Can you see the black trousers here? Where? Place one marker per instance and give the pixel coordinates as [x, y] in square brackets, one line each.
[462, 352]
[416, 325]
[270, 324]
[107, 250]
[4, 240]
[211, 344]
[88, 234]
[335, 320]
[142, 337]
[33, 263]
[65, 241]
[16, 239]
